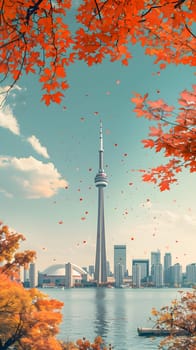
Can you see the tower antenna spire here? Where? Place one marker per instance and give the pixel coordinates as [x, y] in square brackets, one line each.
[101, 136]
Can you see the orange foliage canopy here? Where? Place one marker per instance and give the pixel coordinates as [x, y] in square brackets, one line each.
[180, 315]
[84, 344]
[36, 39]
[174, 135]
[29, 319]
[10, 258]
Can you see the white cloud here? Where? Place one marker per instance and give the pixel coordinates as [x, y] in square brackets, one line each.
[29, 177]
[8, 121]
[7, 118]
[35, 143]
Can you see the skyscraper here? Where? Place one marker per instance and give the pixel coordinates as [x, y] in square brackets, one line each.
[33, 275]
[155, 258]
[191, 274]
[158, 275]
[101, 181]
[120, 258]
[156, 268]
[136, 275]
[176, 275]
[144, 269]
[167, 265]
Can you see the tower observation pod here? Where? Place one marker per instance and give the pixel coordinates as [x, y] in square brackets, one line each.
[101, 181]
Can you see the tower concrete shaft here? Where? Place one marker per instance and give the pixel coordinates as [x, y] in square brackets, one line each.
[101, 181]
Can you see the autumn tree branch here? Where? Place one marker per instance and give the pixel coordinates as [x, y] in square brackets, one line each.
[31, 10]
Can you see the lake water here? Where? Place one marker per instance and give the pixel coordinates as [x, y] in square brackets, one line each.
[114, 314]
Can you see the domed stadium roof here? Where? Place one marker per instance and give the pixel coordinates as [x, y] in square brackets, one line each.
[59, 270]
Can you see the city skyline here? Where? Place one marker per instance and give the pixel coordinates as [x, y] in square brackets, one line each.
[167, 275]
[48, 163]
[130, 263]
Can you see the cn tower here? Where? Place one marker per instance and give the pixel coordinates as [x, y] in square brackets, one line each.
[101, 181]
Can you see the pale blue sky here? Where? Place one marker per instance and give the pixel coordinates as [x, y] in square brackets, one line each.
[43, 148]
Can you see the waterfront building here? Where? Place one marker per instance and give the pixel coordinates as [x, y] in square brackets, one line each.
[26, 275]
[91, 270]
[144, 269]
[158, 276]
[32, 275]
[176, 275]
[68, 275]
[155, 260]
[191, 274]
[167, 265]
[101, 182]
[136, 275]
[120, 258]
[108, 269]
[119, 275]
[55, 276]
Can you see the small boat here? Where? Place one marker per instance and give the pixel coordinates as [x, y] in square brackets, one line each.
[160, 332]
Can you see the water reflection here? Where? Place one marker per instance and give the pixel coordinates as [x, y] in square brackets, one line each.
[120, 320]
[101, 320]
